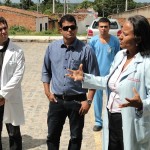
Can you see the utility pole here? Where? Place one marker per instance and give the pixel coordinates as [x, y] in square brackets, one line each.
[117, 9]
[38, 3]
[64, 7]
[67, 7]
[126, 5]
[103, 8]
[21, 2]
[53, 6]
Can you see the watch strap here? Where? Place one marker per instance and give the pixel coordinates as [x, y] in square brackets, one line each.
[89, 101]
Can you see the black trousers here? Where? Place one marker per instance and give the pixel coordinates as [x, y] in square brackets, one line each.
[115, 131]
[56, 118]
[15, 139]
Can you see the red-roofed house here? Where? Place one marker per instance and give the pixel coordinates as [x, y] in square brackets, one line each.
[30, 20]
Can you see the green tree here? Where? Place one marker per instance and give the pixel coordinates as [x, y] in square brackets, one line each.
[47, 7]
[26, 4]
[7, 2]
[108, 7]
[45, 2]
[85, 4]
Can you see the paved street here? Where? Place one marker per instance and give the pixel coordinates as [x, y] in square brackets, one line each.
[34, 131]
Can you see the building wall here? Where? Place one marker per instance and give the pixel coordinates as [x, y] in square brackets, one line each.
[17, 19]
[42, 21]
[53, 24]
[86, 20]
[145, 11]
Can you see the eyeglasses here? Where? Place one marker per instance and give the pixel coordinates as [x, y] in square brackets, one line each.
[103, 26]
[73, 27]
[4, 28]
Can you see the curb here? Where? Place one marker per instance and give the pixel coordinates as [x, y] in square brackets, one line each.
[43, 39]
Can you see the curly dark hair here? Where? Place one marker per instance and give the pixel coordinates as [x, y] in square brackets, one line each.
[141, 29]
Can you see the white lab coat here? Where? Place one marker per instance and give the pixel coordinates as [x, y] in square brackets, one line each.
[136, 130]
[11, 77]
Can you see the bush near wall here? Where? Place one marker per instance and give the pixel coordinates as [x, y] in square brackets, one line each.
[18, 30]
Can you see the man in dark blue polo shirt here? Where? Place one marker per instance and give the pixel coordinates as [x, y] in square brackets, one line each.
[67, 98]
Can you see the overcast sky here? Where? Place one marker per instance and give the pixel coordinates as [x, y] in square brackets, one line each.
[76, 1]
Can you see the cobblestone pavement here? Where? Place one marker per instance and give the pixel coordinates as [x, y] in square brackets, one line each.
[34, 131]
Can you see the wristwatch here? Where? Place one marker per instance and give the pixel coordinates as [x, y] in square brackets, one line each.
[89, 101]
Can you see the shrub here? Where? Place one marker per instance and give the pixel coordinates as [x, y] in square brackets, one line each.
[18, 30]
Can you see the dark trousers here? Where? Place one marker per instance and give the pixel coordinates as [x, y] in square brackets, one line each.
[56, 118]
[15, 139]
[115, 131]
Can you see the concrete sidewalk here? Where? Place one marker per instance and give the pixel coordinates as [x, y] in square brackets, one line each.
[40, 38]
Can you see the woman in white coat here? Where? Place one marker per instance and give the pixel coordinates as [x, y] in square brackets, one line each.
[127, 116]
[12, 64]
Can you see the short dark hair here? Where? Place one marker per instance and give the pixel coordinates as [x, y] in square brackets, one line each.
[103, 19]
[3, 20]
[141, 29]
[68, 18]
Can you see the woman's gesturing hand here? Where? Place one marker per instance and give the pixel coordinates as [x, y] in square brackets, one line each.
[76, 75]
[133, 102]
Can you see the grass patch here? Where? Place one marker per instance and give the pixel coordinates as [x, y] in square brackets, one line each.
[20, 30]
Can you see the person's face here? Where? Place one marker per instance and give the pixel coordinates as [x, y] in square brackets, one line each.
[127, 38]
[103, 28]
[68, 30]
[3, 33]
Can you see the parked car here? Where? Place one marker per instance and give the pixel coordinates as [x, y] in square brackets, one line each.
[92, 30]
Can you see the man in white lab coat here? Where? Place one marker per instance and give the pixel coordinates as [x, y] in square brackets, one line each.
[12, 65]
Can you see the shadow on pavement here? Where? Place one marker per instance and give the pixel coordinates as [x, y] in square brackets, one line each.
[28, 142]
